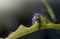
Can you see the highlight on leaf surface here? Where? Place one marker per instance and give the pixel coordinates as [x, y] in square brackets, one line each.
[22, 30]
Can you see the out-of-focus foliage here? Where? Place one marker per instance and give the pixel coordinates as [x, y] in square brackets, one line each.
[49, 9]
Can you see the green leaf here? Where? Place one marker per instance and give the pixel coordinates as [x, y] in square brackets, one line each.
[22, 30]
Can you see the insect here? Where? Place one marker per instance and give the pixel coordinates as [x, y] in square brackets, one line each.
[36, 17]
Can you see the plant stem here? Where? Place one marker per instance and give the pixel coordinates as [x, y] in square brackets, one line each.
[51, 26]
[21, 31]
[49, 9]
